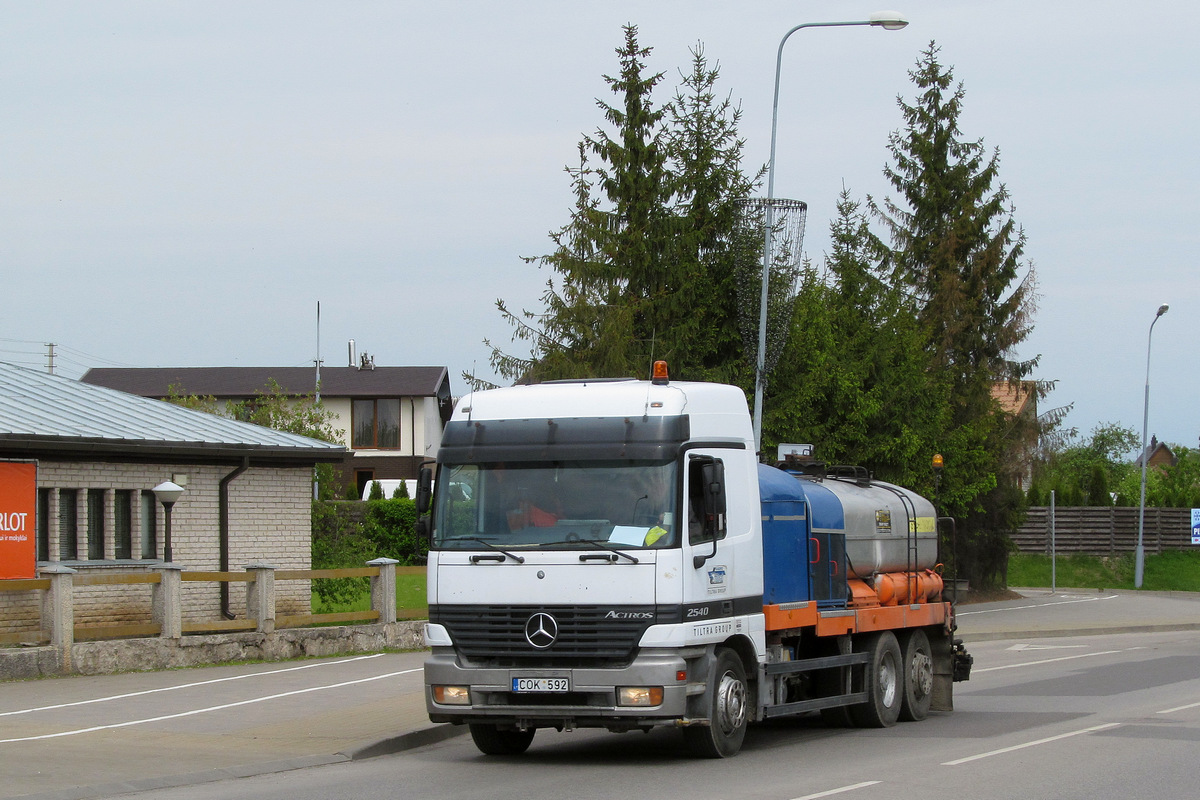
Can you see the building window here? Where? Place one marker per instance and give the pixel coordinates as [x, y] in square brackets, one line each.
[149, 526]
[95, 524]
[43, 524]
[68, 525]
[376, 423]
[123, 523]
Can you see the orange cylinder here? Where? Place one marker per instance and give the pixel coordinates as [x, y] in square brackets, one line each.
[895, 588]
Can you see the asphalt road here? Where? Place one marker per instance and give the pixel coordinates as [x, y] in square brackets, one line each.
[1097, 718]
[308, 727]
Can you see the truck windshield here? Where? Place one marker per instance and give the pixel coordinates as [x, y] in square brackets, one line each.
[556, 505]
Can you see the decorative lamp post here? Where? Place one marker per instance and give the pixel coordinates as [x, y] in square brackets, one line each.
[1139, 562]
[167, 493]
[889, 21]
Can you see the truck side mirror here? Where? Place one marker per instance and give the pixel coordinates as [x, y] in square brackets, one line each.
[424, 489]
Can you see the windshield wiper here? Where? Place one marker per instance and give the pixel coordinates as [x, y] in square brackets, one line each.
[485, 543]
[601, 545]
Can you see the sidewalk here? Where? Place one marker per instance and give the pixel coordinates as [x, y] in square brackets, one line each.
[1040, 613]
[85, 736]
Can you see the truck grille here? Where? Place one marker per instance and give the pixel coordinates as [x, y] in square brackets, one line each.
[603, 634]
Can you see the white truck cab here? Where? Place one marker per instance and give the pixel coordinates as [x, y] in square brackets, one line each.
[597, 560]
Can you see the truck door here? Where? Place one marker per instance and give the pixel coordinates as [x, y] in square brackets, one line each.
[722, 577]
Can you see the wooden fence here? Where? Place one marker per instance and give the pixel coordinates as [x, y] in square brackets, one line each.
[166, 617]
[1104, 530]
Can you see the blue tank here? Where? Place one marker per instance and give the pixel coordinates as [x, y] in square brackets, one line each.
[818, 533]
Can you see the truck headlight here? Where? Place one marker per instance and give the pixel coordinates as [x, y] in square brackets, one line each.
[452, 695]
[639, 695]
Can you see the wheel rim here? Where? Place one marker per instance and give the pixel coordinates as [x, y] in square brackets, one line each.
[731, 703]
[921, 674]
[887, 680]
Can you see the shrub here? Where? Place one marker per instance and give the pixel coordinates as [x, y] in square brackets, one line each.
[339, 540]
[391, 525]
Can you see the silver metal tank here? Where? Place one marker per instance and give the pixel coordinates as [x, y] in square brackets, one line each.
[878, 520]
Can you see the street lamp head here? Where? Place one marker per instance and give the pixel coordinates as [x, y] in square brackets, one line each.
[167, 492]
[888, 20]
[1162, 310]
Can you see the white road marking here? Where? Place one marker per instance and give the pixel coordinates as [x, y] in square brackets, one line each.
[832, 792]
[1179, 708]
[199, 683]
[188, 685]
[1052, 660]
[1045, 646]
[1003, 750]
[1036, 605]
[195, 711]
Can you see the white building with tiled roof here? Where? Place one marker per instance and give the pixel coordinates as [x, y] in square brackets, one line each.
[99, 453]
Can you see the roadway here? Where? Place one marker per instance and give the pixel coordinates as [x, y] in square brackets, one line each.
[1128, 682]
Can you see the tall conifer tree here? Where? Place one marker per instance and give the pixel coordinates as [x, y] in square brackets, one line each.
[957, 248]
[644, 268]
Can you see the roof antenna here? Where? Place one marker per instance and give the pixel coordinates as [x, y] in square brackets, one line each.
[317, 391]
[474, 366]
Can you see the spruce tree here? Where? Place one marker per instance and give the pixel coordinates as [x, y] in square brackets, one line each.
[713, 245]
[956, 247]
[645, 267]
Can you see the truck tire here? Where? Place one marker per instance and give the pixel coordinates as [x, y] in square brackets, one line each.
[918, 677]
[495, 741]
[728, 711]
[884, 682]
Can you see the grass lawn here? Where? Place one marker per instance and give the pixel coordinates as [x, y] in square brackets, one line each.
[1175, 570]
[410, 599]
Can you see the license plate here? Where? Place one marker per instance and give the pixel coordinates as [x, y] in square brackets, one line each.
[541, 685]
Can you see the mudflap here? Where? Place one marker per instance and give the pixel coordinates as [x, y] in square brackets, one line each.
[942, 651]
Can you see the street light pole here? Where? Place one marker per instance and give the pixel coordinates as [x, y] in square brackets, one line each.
[1140, 554]
[167, 493]
[889, 21]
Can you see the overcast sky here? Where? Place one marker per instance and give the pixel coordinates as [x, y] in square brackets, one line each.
[182, 182]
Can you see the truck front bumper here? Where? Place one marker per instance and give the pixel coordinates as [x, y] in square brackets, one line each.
[590, 698]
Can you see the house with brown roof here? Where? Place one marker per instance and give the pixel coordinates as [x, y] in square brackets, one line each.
[1019, 401]
[1158, 455]
[390, 417]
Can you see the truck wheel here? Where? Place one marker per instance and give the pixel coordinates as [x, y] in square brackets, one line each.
[883, 682]
[495, 741]
[728, 711]
[918, 677]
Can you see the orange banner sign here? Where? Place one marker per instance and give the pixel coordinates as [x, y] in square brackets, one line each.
[18, 519]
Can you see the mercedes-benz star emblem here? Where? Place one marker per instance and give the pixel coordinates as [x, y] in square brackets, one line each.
[541, 630]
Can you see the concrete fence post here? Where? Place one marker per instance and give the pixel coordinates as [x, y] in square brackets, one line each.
[166, 601]
[260, 596]
[58, 610]
[383, 588]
